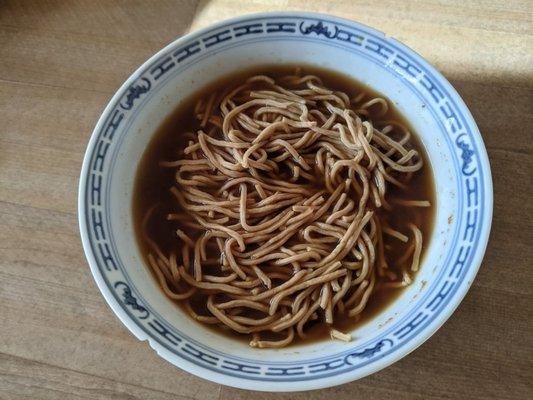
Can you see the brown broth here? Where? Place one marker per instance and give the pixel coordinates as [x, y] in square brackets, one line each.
[152, 186]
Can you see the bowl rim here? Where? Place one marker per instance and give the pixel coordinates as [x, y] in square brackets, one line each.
[379, 364]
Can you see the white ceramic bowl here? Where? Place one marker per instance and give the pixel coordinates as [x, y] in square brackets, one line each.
[435, 110]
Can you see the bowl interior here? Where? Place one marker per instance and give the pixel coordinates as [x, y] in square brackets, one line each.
[177, 87]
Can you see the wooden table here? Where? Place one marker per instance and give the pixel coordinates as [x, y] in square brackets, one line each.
[60, 62]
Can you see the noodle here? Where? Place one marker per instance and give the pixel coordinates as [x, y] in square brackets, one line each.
[279, 196]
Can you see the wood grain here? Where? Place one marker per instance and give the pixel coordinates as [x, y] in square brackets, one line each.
[60, 62]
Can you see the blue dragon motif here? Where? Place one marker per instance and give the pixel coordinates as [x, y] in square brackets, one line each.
[134, 92]
[467, 155]
[130, 300]
[319, 29]
[367, 353]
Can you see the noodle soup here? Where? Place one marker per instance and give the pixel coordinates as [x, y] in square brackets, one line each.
[283, 205]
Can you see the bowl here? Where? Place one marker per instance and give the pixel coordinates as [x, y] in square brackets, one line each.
[426, 99]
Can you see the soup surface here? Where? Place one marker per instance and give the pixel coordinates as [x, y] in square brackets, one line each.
[153, 202]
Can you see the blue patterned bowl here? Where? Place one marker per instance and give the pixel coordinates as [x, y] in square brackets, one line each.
[428, 101]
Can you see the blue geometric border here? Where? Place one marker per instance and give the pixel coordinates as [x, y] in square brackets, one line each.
[466, 150]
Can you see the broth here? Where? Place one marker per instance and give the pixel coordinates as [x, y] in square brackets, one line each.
[152, 186]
